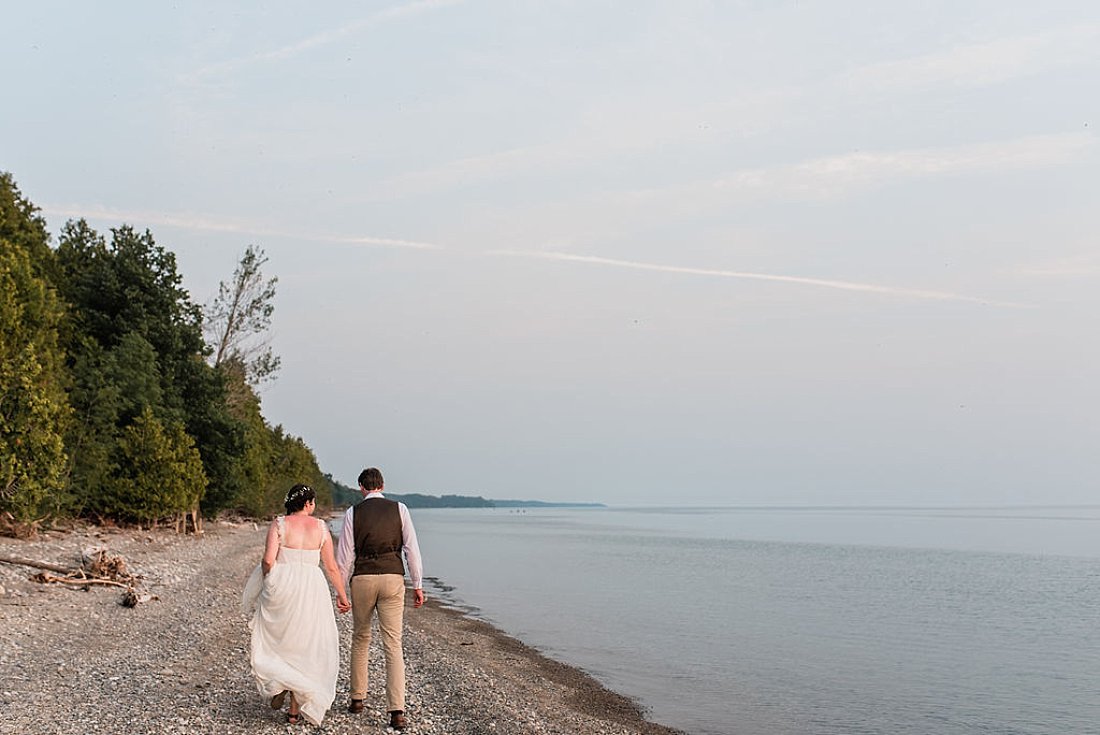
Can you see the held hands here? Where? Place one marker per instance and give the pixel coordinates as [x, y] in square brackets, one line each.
[342, 605]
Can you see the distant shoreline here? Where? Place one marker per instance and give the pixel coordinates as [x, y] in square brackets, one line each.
[421, 500]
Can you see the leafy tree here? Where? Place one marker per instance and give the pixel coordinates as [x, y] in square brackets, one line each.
[341, 493]
[239, 317]
[129, 306]
[22, 228]
[111, 388]
[158, 472]
[219, 435]
[295, 462]
[108, 404]
[34, 410]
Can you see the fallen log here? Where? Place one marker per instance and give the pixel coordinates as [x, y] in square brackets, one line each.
[36, 564]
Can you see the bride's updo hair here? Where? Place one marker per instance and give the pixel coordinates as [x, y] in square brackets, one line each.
[297, 496]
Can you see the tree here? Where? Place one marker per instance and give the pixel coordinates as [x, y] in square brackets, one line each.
[34, 409]
[272, 460]
[111, 387]
[135, 332]
[239, 317]
[158, 472]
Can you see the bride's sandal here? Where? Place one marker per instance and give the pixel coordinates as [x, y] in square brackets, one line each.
[292, 718]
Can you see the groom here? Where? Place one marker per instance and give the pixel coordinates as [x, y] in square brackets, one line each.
[376, 532]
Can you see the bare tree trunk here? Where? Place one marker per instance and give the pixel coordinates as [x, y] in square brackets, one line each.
[35, 564]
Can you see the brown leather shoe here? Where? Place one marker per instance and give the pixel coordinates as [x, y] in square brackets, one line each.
[355, 706]
[397, 720]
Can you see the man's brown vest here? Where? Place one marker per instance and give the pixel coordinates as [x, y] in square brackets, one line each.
[378, 537]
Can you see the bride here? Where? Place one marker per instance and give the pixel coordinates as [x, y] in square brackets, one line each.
[295, 645]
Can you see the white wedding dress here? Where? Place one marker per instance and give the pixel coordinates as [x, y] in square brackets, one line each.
[295, 644]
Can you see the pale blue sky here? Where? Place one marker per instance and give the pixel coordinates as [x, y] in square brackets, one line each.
[707, 253]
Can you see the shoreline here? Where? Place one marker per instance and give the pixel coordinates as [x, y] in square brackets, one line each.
[75, 661]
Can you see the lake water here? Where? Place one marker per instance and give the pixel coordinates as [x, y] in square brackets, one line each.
[800, 621]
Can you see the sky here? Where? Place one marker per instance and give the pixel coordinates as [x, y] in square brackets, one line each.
[690, 253]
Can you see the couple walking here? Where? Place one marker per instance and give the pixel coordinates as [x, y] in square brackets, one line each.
[295, 645]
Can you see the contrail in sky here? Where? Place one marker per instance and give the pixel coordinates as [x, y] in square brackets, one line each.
[822, 282]
[190, 222]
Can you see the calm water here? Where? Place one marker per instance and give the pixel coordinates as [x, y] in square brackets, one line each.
[800, 621]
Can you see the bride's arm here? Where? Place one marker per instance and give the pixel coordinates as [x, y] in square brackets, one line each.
[271, 550]
[334, 577]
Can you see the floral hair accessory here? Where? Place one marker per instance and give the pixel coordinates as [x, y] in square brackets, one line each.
[296, 492]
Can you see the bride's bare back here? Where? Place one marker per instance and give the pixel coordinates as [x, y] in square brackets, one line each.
[303, 532]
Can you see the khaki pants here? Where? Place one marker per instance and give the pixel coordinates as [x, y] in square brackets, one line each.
[385, 593]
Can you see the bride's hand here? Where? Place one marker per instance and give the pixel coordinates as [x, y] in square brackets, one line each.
[343, 606]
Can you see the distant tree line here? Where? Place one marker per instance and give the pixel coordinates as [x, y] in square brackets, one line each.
[344, 495]
[113, 403]
[419, 500]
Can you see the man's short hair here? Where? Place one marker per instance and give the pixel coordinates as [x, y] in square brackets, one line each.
[371, 479]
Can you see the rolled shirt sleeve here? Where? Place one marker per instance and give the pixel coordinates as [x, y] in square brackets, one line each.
[411, 548]
[345, 548]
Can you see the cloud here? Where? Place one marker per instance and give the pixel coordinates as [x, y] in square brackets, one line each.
[622, 128]
[198, 222]
[1080, 267]
[981, 64]
[798, 280]
[625, 212]
[317, 40]
[618, 128]
[829, 177]
[826, 175]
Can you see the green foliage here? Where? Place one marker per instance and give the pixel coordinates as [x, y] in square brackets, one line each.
[111, 388]
[34, 410]
[271, 461]
[220, 436]
[137, 341]
[342, 494]
[108, 405]
[157, 472]
[23, 229]
[129, 286]
[418, 500]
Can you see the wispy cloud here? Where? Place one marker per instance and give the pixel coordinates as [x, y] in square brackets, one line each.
[188, 221]
[625, 130]
[323, 38]
[981, 64]
[798, 280]
[626, 212]
[828, 175]
[1086, 266]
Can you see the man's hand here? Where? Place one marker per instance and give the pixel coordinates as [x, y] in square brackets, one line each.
[418, 597]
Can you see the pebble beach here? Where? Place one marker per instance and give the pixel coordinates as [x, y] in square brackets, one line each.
[78, 661]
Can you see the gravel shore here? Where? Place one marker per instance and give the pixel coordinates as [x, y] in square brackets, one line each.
[74, 661]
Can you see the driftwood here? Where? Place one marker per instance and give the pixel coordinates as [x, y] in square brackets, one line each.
[47, 578]
[98, 567]
[34, 564]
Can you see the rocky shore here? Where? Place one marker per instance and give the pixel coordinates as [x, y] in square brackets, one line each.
[74, 661]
